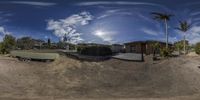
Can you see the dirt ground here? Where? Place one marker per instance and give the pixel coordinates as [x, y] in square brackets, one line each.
[66, 78]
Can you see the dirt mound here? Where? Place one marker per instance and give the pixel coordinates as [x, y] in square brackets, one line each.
[192, 54]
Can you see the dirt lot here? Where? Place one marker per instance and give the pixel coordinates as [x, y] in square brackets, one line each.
[66, 78]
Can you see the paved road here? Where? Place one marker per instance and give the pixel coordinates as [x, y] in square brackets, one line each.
[129, 56]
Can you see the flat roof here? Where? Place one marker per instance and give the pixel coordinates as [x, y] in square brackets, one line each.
[147, 41]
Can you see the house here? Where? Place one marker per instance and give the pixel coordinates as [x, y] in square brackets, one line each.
[134, 47]
[145, 46]
[37, 43]
[117, 48]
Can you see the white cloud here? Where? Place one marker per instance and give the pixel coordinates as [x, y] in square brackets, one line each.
[78, 19]
[68, 25]
[150, 31]
[3, 32]
[193, 35]
[114, 10]
[1, 38]
[33, 3]
[173, 39]
[103, 16]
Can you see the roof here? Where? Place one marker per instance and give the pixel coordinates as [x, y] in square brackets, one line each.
[135, 42]
[117, 45]
[147, 41]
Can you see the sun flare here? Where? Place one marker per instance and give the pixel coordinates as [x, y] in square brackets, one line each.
[100, 33]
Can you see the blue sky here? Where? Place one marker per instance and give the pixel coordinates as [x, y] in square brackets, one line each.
[106, 22]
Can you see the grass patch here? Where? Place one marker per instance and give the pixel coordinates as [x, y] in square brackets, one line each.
[34, 55]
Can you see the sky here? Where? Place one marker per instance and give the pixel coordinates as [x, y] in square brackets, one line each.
[95, 21]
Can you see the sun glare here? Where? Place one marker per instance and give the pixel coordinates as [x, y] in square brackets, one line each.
[99, 33]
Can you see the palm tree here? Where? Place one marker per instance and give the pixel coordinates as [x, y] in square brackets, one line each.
[163, 17]
[156, 47]
[184, 26]
[178, 46]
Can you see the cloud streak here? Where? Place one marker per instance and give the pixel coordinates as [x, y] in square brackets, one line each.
[195, 13]
[112, 12]
[149, 31]
[95, 3]
[33, 3]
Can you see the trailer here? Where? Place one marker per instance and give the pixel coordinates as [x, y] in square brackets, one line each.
[28, 56]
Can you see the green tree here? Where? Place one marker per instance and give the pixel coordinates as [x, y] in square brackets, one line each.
[8, 44]
[163, 17]
[156, 47]
[25, 43]
[178, 46]
[197, 48]
[184, 26]
[2, 48]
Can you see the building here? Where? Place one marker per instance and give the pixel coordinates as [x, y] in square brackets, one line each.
[134, 47]
[92, 44]
[146, 46]
[37, 43]
[117, 48]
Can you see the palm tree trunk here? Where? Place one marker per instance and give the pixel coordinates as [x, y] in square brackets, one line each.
[166, 33]
[142, 52]
[184, 45]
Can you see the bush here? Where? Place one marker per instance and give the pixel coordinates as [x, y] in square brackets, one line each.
[197, 48]
[8, 44]
[3, 49]
[95, 51]
[79, 49]
[166, 52]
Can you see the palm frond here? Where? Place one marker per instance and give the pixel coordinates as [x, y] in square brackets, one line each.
[161, 16]
[177, 28]
[156, 13]
[184, 26]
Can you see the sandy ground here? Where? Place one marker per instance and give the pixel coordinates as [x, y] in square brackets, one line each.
[66, 78]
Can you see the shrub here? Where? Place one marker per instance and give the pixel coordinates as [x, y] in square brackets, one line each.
[197, 48]
[95, 51]
[2, 48]
[166, 52]
[79, 49]
[8, 44]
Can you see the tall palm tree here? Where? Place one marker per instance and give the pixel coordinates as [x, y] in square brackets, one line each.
[184, 26]
[156, 47]
[163, 17]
